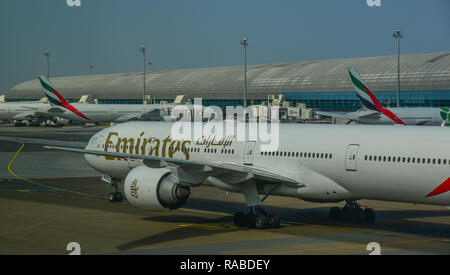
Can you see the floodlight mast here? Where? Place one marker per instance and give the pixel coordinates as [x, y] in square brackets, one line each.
[47, 55]
[149, 71]
[397, 34]
[142, 49]
[244, 43]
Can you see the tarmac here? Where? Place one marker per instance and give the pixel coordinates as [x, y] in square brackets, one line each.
[49, 199]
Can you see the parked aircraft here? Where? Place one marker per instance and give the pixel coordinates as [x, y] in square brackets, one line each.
[86, 112]
[34, 113]
[317, 163]
[375, 113]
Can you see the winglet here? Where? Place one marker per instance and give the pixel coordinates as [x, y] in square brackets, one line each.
[55, 98]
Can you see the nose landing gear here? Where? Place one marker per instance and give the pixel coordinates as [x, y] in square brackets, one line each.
[115, 196]
[352, 212]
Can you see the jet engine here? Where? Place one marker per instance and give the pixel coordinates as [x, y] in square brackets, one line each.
[154, 189]
[60, 121]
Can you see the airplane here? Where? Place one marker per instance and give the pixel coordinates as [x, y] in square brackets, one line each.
[33, 112]
[86, 112]
[316, 163]
[375, 113]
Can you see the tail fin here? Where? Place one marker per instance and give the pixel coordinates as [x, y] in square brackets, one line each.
[56, 99]
[367, 98]
[52, 95]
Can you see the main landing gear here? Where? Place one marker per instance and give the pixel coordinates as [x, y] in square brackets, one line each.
[257, 216]
[352, 212]
[115, 196]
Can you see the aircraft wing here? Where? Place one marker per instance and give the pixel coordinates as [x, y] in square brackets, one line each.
[24, 115]
[244, 172]
[370, 114]
[149, 115]
[353, 115]
[423, 121]
[128, 117]
[55, 110]
[332, 114]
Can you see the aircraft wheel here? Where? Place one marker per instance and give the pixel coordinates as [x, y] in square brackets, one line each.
[119, 196]
[240, 219]
[370, 215]
[335, 213]
[112, 197]
[274, 220]
[258, 221]
[358, 215]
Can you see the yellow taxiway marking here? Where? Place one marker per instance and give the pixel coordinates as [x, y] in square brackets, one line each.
[11, 162]
[24, 191]
[210, 226]
[36, 183]
[205, 212]
[31, 226]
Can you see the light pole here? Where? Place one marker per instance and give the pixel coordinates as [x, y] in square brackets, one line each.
[244, 43]
[143, 92]
[47, 55]
[150, 65]
[398, 35]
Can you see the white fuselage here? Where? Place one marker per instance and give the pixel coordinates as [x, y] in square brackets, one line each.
[410, 116]
[22, 111]
[355, 161]
[108, 112]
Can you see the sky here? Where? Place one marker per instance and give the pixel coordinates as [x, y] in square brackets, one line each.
[206, 33]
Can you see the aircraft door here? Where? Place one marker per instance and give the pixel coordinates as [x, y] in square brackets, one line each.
[351, 157]
[249, 152]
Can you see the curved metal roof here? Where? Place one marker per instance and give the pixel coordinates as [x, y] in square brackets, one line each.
[429, 71]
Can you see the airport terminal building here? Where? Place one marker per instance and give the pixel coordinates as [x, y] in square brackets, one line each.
[321, 84]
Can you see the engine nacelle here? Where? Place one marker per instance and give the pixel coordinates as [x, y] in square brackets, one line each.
[154, 189]
[60, 121]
